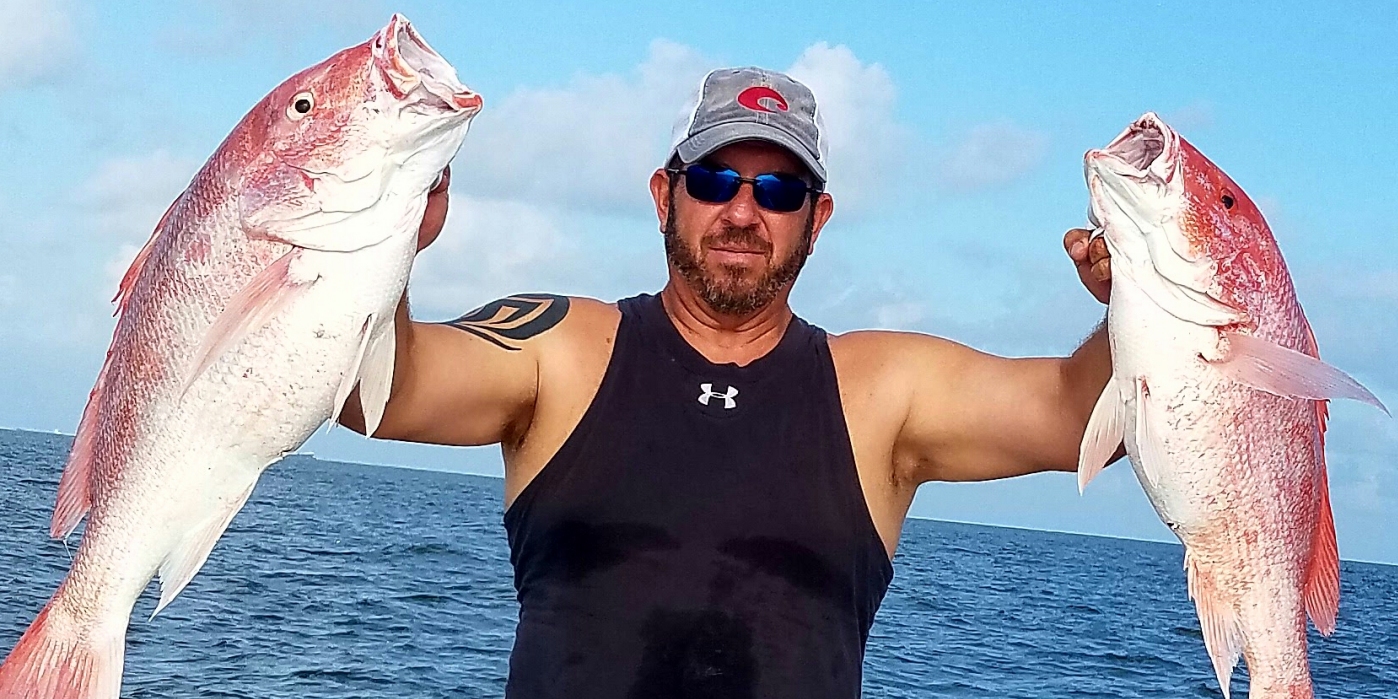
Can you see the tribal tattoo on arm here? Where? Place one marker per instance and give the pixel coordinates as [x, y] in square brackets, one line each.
[508, 322]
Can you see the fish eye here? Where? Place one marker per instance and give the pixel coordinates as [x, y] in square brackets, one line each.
[301, 105]
[1227, 200]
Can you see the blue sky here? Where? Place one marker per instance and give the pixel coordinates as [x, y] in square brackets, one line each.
[957, 136]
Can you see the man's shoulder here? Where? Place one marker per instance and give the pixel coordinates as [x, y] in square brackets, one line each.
[883, 345]
[519, 319]
[894, 358]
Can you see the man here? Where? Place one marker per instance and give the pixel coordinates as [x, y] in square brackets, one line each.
[703, 491]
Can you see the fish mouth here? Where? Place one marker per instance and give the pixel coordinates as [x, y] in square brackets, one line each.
[1136, 175]
[1147, 149]
[410, 66]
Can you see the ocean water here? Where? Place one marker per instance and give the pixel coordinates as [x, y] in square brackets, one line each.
[342, 580]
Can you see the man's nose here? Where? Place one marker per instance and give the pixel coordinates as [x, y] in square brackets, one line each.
[741, 210]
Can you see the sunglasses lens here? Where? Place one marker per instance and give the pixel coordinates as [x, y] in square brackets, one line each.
[710, 185]
[780, 192]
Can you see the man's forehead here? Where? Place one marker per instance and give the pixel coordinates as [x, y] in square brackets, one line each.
[758, 154]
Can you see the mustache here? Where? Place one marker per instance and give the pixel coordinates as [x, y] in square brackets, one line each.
[742, 238]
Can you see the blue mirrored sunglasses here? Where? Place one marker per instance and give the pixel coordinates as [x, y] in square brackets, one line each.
[776, 191]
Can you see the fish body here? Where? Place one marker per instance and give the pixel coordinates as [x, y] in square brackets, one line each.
[1219, 396]
[266, 293]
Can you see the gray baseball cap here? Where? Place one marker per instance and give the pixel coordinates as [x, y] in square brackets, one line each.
[741, 104]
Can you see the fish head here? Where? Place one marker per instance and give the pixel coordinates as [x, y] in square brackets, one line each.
[334, 139]
[1170, 214]
[1136, 187]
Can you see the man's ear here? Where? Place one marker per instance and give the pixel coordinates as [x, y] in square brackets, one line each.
[660, 192]
[824, 209]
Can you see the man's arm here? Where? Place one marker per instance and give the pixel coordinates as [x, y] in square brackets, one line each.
[973, 416]
[452, 384]
[455, 386]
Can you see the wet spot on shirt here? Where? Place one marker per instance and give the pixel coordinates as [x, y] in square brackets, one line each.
[791, 561]
[579, 549]
[704, 654]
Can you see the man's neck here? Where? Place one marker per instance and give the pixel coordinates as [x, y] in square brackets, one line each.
[724, 339]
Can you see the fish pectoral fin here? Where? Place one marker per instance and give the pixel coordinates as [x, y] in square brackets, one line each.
[264, 296]
[376, 375]
[1267, 366]
[1222, 630]
[1105, 430]
[188, 557]
[1150, 446]
[351, 376]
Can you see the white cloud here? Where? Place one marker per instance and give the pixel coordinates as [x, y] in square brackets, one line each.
[591, 144]
[857, 102]
[488, 249]
[125, 196]
[36, 40]
[88, 246]
[1354, 313]
[124, 199]
[539, 160]
[991, 155]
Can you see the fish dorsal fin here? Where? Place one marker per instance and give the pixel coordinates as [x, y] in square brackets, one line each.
[1103, 435]
[266, 294]
[1223, 632]
[376, 375]
[74, 491]
[1322, 591]
[133, 272]
[1267, 366]
[193, 550]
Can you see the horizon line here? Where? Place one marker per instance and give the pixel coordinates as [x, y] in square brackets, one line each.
[313, 457]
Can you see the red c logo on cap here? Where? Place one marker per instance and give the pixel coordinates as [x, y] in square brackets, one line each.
[753, 96]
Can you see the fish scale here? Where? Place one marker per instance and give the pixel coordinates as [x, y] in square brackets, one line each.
[265, 294]
[1219, 396]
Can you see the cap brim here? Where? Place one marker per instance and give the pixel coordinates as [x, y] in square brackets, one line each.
[709, 140]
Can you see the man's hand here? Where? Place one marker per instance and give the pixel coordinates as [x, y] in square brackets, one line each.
[436, 213]
[1093, 261]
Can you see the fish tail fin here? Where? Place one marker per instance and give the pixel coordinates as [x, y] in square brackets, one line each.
[1223, 632]
[58, 659]
[1322, 591]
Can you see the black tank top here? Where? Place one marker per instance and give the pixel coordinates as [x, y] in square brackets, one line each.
[701, 534]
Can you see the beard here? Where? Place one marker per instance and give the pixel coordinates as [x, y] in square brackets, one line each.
[725, 288]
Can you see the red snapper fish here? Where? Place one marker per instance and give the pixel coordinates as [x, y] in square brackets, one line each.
[265, 295]
[1220, 397]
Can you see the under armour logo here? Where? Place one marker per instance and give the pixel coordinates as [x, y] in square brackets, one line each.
[709, 393]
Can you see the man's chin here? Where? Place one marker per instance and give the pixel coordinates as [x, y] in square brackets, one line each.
[734, 283]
